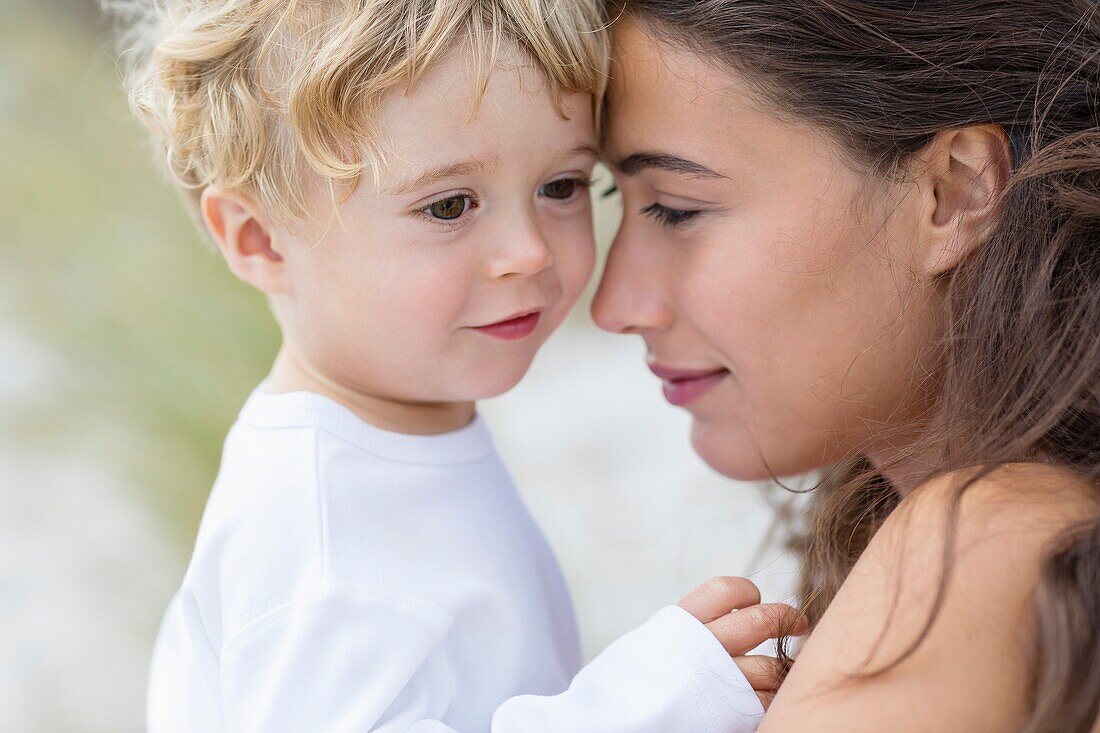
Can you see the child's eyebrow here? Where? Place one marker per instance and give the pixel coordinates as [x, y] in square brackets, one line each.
[442, 173]
[447, 171]
[583, 149]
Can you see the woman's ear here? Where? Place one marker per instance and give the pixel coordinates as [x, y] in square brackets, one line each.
[245, 240]
[965, 172]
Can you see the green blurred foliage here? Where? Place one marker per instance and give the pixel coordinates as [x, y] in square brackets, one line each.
[99, 260]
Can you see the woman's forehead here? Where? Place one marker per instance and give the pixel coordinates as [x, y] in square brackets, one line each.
[666, 98]
[661, 92]
[643, 65]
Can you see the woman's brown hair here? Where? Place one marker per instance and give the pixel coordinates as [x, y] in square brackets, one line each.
[1019, 360]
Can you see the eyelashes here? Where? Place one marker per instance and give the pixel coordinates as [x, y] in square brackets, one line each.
[662, 214]
[669, 217]
[450, 211]
[564, 189]
[450, 208]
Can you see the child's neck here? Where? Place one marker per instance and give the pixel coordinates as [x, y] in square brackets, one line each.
[292, 373]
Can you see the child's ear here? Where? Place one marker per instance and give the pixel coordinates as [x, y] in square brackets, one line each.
[965, 171]
[245, 239]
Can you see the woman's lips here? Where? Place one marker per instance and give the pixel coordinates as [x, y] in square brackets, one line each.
[512, 329]
[683, 386]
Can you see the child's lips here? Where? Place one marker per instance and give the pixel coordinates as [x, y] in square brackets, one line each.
[514, 328]
[683, 386]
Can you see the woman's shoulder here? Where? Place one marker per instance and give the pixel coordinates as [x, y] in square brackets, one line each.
[946, 586]
[1030, 496]
[1014, 511]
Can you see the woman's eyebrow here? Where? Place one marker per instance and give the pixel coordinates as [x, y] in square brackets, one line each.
[633, 164]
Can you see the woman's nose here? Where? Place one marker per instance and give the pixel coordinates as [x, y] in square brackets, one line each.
[630, 298]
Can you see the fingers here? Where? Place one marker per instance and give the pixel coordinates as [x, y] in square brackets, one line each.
[761, 671]
[763, 674]
[718, 596]
[746, 629]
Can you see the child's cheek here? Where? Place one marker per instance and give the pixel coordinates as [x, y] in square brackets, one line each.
[582, 262]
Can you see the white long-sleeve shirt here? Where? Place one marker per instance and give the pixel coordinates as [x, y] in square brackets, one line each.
[346, 578]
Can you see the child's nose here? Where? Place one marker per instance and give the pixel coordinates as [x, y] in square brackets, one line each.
[521, 254]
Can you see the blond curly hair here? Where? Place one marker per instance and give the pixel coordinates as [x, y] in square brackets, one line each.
[263, 97]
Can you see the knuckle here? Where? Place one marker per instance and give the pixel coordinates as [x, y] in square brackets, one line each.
[716, 586]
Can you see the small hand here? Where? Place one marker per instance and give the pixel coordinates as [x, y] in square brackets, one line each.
[731, 609]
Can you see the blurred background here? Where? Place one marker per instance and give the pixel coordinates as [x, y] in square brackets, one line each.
[126, 349]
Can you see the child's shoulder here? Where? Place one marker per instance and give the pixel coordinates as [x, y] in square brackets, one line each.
[309, 496]
[295, 507]
[258, 544]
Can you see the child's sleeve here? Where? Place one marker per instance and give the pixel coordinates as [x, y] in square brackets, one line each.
[356, 659]
[669, 675]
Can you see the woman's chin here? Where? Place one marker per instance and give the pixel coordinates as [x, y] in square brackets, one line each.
[736, 453]
[728, 452]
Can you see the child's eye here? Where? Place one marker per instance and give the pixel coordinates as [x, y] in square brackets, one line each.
[563, 188]
[560, 189]
[448, 209]
[669, 217]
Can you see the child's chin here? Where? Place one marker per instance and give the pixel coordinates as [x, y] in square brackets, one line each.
[494, 383]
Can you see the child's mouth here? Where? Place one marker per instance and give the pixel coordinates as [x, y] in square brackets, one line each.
[512, 329]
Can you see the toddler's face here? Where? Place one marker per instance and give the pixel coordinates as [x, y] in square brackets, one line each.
[444, 280]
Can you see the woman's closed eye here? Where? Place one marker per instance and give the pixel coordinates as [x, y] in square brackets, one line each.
[669, 217]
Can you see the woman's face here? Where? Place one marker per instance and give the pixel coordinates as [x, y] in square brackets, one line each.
[772, 281]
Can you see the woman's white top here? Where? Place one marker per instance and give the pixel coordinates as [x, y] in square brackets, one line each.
[347, 578]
